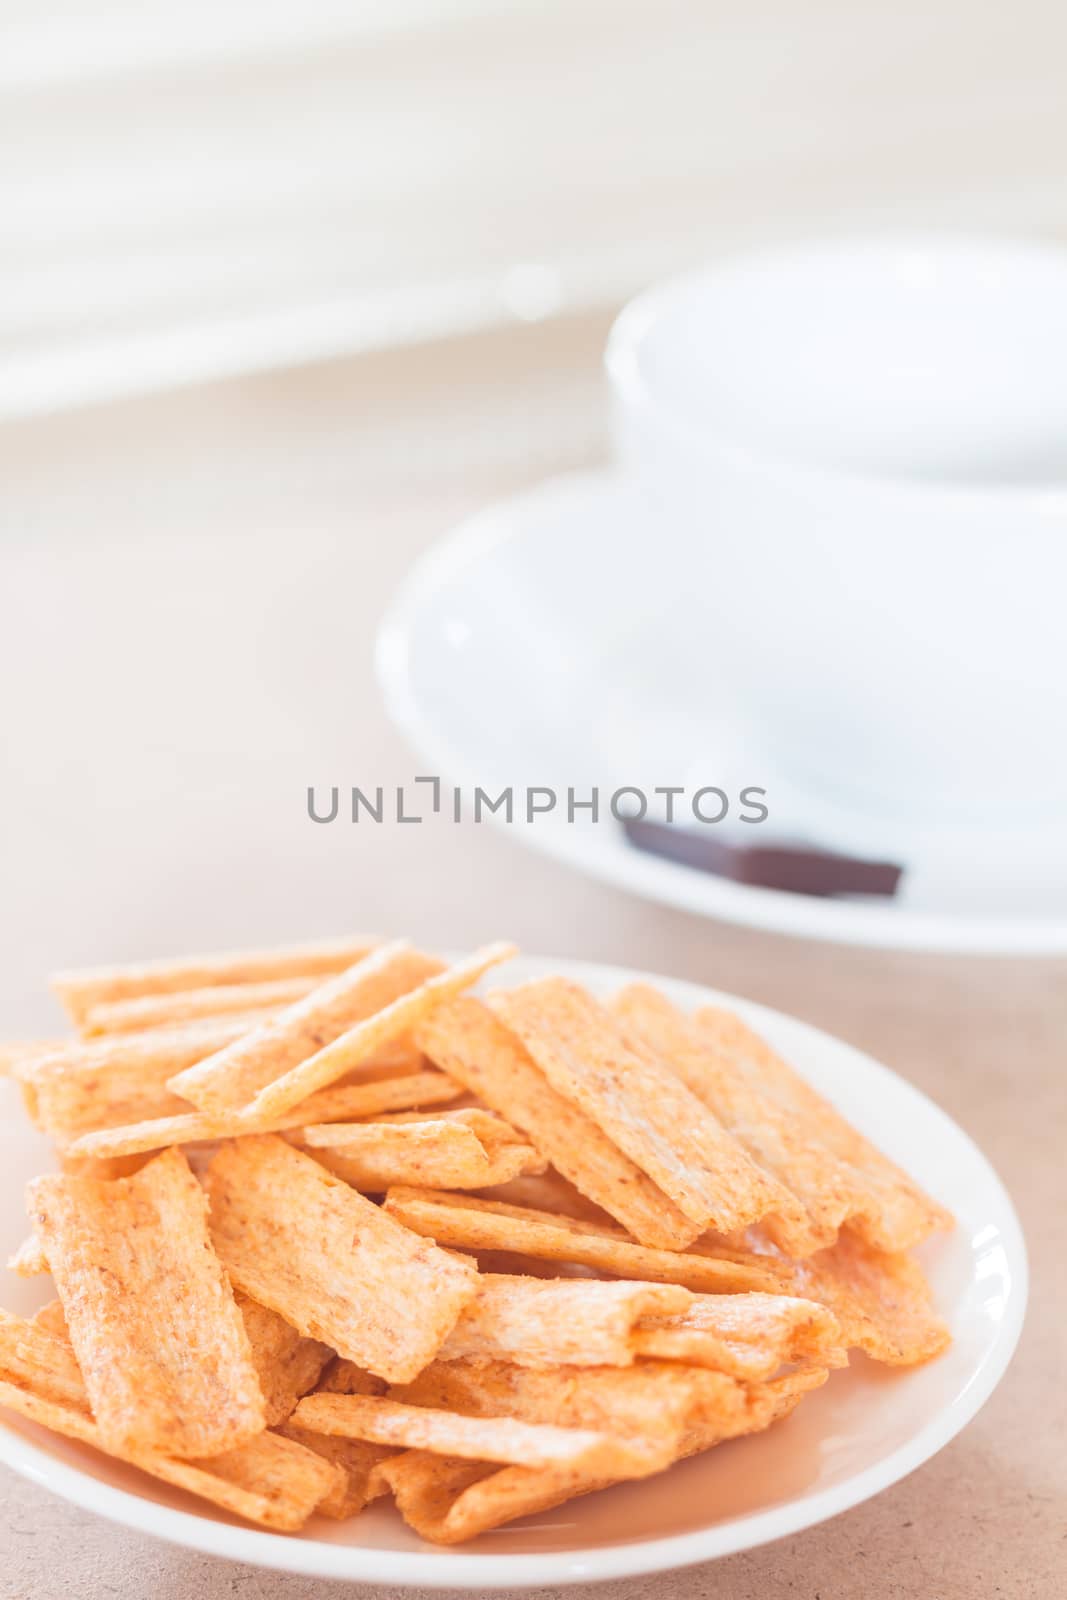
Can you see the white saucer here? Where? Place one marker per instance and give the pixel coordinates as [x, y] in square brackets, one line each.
[547, 642]
[865, 1429]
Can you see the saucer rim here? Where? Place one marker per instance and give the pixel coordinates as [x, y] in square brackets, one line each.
[847, 922]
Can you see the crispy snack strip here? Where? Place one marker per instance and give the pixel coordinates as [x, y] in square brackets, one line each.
[151, 1315]
[88, 987]
[835, 1172]
[371, 1032]
[272, 1481]
[748, 1336]
[472, 1046]
[233, 1077]
[482, 1438]
[37, 1355]
[356, 1458]
[490, 1130]
[449, 1500]
[262, 1480]
[287, 1364]
[356, 1461]
[188, 1005]
[448, 1155]
[471, 1224]
[300, 1241]
[881, 1299]
[23, 1052]
[104, 1083]
[765, 1404]
[654, 1402]
[549, 1322]
[641, 1104]
[29, 1260]
[195, 1127]
[50, 1319]
[550, 1191]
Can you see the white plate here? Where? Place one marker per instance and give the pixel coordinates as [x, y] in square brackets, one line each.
[545, 643]
[865, 1429]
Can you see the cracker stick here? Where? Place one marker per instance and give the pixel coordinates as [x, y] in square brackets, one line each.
[355, 1459]
[890, 1210]
[484, 1225]
[447, 1155]
[269, 1480]
[664, 1405]
[881, 1299]
[446, 1433]
[654, 1402]
[642, 1105]
[835, 1173]
[195, 1127]
[231, 1079]
[550, 1191]
[329, 1261]
[748, 1336]
[23, 1052]
[187, 1005]
[39, 1359]
[765, 1404]
[164, 1371]
[287, 1365]
[103, 1083]
[80, 990]
[549, 1322]
[449, 1501]
[272, 1480]
[374, 1177]
[50, 1319]
[472, 1046]
[492, 1130]
[29, 1260]
[266, 1480]
[371, 1032]
[761, 1255]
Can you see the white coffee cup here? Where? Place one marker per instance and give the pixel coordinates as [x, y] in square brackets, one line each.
[857, 450]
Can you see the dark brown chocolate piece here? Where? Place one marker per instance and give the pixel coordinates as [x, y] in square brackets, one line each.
[797, 868]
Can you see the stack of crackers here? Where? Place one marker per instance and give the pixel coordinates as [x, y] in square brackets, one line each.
[329, 1228]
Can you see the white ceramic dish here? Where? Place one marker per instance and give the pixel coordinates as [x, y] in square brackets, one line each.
[548, 641]
[863, 1431]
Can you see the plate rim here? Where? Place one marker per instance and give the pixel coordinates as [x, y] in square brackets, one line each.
[652, 878]
[449, 1569]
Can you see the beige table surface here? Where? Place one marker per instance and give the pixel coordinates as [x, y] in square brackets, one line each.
[189, 592]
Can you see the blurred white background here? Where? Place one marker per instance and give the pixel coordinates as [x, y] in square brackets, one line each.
[196, 190]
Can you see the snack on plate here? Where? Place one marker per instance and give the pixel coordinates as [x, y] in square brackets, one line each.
[231, 1079]
[465, 1040]
[329, 1261]
[329, 1229]
[164, 1010]
[642, 1105]
[837, 1174]
[80, 991]
[449, 1154]
[364, 1099]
